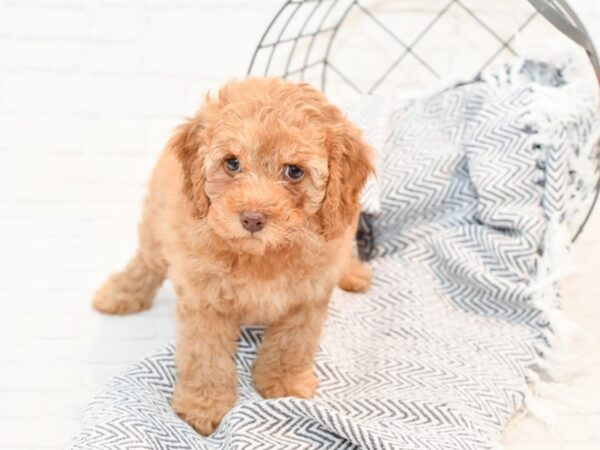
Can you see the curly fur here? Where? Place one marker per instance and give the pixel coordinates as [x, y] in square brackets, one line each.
[225, 276]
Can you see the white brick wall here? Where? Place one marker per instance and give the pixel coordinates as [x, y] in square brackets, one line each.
[71, 71]
[89, 91]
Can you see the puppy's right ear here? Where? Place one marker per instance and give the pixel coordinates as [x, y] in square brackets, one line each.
[189, 145]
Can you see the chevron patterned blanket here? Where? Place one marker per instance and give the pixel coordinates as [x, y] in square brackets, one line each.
[479, 183]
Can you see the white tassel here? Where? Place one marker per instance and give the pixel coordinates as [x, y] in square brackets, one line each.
[541, 409]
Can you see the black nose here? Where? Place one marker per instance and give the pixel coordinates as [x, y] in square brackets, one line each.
[253, 221]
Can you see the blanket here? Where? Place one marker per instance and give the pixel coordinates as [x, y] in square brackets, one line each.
[481, 184]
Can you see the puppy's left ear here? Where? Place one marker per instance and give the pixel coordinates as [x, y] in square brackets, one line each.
[349, 167]
[189, 145]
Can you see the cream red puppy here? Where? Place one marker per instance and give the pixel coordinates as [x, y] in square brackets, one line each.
[251, 213]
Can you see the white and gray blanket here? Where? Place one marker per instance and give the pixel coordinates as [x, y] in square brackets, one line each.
[475, 182]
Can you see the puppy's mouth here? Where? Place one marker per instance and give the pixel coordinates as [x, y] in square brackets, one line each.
[252, 244]
[268, 238]
[254, 230]
[250, 232]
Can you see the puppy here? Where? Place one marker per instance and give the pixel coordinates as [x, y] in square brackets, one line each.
[251, 213]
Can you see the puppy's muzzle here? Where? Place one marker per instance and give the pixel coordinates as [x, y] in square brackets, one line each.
[253, 221]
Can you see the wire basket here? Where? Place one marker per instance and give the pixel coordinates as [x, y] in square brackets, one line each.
[355, 47]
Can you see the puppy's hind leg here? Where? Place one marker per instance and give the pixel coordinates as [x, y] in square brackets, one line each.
[356, 276]
[131, 290]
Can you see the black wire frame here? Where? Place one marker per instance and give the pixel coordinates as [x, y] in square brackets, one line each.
[557, 12]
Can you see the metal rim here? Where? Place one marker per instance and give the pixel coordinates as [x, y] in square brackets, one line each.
[557, 12]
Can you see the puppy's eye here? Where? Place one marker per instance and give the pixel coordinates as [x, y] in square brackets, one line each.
[232, 164]
[292, 172]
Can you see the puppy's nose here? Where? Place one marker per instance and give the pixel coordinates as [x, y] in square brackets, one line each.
[253, 221]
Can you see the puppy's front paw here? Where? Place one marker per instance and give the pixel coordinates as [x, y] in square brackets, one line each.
[203, 421]
[275, 385]
[202, 414]
[356, 277]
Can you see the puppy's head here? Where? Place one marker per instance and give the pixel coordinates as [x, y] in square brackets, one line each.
[268, 162]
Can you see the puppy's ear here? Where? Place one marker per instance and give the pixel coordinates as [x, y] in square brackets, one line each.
[189, 145]
[349, 166]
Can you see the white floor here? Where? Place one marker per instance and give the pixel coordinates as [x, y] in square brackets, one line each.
[55, 352]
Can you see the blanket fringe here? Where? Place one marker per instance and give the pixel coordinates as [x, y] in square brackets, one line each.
[558, 362]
